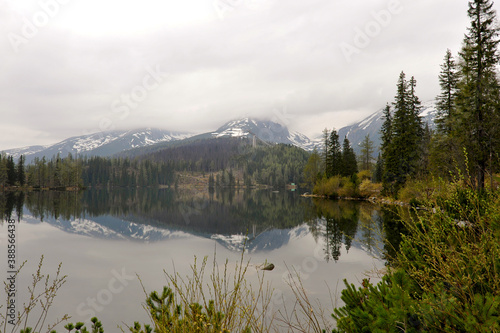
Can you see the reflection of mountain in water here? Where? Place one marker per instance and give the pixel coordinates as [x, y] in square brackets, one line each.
[266, 241]
[260, 220]
[110, 227]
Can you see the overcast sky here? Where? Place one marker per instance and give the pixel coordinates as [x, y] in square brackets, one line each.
[70, 67]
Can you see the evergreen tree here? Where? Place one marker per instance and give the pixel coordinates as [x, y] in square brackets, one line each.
[367, 150]
[445, 102]
[334, 155]
[386, 130]
[3, 170]
[21, 176]
[402, 152]
[477, 100]
[326, 158]
[11, 171]
[349, 164]
[379, 170]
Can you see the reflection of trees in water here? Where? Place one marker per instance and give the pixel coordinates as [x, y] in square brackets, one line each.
[370, 224]
[336, 222]
[10, 202]
[391, 217]
[226, 211]
[339, 223]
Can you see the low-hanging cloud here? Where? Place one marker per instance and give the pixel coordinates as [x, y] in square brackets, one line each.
[259, 56]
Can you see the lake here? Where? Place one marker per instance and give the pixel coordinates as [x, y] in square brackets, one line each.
[106, 238]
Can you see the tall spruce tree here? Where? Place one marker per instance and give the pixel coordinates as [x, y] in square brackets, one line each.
[386, 130]
[11, 171]
[334, 155]
[445, 102]
[324, 154]
[3, 170]
[477, 100]
[21, 176]
[349, 165]
[402, 152]
[379, 170]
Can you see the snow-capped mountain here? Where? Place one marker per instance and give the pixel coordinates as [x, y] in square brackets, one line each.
[113, 142]
[100, 144]
[267, 131]
[372, 124]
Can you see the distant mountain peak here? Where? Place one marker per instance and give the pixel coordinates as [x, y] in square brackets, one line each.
[265, 130]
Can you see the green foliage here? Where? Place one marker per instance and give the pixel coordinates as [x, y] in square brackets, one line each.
[169, 316]
[385, 307]
[81, 328]
[337, 186]
[477, 122]
[276, 165]
[445, 102]
[446, 275]
[378, 173]
[225, 304]
[368, 189]
[402, 135]
[349, 164]
[333, 163]
[312, 170]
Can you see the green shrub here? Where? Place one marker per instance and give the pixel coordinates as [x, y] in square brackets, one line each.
[368, 189]
[446, 275]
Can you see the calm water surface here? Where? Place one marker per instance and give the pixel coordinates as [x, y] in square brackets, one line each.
[104, 238]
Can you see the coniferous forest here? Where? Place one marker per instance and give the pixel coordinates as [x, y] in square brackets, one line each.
[233, 162]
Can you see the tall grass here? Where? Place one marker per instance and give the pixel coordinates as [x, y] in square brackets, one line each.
[222, 301]
[31, 316]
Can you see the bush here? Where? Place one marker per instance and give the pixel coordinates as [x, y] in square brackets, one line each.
[446, 276]
[348, 189]
[328, 187]
[368, 189]
[365, 175]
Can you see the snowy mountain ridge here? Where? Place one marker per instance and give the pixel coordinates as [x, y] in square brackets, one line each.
[100, 144]
[113, 142]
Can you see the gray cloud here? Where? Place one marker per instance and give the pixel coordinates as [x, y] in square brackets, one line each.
[263, 56]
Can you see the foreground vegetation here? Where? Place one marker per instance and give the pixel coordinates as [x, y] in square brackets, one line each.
[445, 276]
[223, 302]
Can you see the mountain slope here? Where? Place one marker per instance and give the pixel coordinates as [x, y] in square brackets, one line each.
[100, 144]
[372, 124]
[267, 131]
